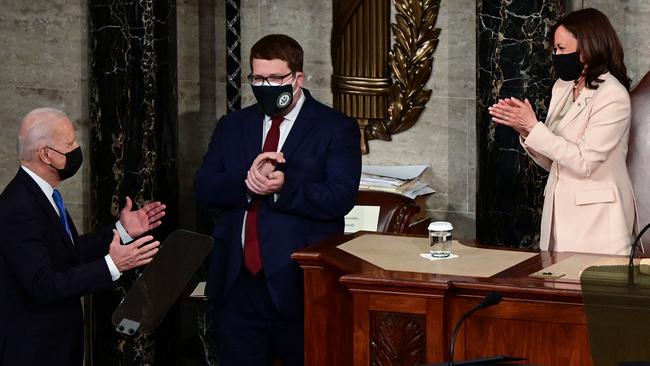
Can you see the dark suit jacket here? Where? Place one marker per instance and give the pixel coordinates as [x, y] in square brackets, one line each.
[42, 277]
[322, 170]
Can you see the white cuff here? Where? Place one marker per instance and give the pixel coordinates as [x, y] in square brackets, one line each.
[115, 273]
[124, 236]
[276, 196]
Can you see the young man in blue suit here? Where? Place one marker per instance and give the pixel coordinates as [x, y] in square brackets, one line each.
[45, 266]
[283, 172]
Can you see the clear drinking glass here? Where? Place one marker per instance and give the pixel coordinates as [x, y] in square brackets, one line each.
[440, 239]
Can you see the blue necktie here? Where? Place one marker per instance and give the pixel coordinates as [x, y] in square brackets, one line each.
[58, 200]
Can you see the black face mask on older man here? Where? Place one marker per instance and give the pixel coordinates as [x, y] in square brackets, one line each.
[568, 66]
[73, 160]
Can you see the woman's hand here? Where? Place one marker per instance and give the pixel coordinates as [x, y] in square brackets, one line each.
[514, 113]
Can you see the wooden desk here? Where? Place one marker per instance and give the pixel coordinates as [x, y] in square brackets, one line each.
[359, 314]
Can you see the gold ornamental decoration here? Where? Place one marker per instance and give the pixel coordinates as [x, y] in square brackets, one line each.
[411, 62]
[379, 85]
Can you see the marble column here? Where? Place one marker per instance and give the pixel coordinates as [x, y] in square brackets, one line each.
[133, 147]
[513, 59]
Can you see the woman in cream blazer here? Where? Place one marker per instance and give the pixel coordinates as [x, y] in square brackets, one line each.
[588, 200]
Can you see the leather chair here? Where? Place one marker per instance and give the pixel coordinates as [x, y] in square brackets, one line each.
[396, 212]
[638, 156]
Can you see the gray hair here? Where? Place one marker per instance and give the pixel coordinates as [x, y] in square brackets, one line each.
[36, 127]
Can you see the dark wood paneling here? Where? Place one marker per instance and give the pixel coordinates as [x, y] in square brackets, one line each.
[397, 339]
[542, 343]
[437, 342]
[328, 319]
[541, 319]
[547, 333]
[361, 330]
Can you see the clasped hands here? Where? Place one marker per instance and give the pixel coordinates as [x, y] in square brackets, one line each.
[514, 113]
[262, 178]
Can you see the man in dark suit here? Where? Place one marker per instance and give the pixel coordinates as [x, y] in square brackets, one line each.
[283, 172]
[45, 265]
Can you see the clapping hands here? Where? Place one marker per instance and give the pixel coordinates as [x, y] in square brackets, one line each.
[143, 220]
[514, 113]
[134, 254]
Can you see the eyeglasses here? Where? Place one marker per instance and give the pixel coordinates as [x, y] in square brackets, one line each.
[272, 80]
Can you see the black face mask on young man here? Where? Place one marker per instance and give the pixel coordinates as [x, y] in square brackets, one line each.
[73, 160]
[568, 66]
[273, 99]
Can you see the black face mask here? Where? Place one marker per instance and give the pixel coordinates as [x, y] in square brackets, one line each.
[273, 99]
[73, 160]
[568, 66]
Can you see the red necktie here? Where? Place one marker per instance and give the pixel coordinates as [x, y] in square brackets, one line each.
[252, 257]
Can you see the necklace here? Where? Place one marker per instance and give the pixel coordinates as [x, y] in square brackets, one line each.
[578, 82]
[576, 88]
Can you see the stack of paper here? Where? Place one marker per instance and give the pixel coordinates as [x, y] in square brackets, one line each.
[397, 179]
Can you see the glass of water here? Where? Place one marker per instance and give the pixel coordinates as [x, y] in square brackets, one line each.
[440, 239]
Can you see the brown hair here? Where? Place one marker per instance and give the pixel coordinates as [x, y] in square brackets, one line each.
[598, 45]
[278, 46]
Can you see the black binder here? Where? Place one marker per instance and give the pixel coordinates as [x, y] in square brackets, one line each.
[162, 282]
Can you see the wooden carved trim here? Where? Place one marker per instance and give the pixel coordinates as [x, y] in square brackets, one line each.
[403, 219]
[397, 339]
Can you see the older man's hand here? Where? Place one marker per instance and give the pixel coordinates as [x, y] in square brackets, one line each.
[143, 220]
[134, 254]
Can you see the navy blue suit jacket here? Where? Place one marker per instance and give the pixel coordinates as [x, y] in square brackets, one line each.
[42, 277]
[322, 170]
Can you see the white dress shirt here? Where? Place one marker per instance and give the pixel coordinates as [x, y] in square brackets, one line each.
[285, 128]
[48, 190]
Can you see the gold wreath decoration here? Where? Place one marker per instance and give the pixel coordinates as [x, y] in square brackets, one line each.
[411, 63]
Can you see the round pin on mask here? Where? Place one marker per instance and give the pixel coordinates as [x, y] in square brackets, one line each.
[283, 100]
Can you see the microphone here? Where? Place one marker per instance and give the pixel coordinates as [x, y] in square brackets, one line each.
[490, 299]
[635, 244]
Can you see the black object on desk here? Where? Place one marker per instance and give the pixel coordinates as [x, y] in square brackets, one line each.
[162, 282]
[617, 305]
[494, 360]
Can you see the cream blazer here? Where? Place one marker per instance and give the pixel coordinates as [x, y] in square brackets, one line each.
[588, 200]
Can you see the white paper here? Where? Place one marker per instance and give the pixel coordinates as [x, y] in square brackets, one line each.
[432, 258]
[380, 181]
[404, 172]
[199, 290]
[362, 218]
[417, 190]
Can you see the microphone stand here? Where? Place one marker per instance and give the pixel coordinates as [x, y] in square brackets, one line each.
[456, 329]
[490, 299]
[635, 244]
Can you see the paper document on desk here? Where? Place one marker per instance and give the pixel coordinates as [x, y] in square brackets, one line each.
[418, 189]
[403, 172]
[395, 179]
[571, 268]
[199, 290]
[364, 218]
